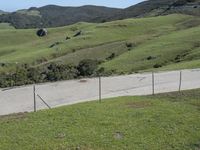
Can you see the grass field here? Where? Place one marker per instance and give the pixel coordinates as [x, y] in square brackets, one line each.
[180, 46]
[166, 121]
[170, 41]
[31, 13]
[5, 26]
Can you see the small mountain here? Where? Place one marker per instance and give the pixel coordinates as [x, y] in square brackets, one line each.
[55, 16]
[2, 12]
[160, 7]
[59, 16]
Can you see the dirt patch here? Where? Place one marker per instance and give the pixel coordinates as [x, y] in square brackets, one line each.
[118, 135]
[17, 116]
[60, 136]
[142, 104]
[121, 25]
[82, 81]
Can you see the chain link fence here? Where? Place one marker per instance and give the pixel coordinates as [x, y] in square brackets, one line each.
[49, 95]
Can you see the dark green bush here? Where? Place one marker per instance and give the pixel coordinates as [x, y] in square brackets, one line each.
[87, 67]
[24, 74]
[111, 56]
[57, 72]
[129, 45]
[157, 66]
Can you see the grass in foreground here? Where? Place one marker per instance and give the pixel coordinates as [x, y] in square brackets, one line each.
[165, 121]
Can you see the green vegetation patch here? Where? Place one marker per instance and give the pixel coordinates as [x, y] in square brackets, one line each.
[165, 121]
[174, 49]
[6, 26]
[124, 46]
[29, 12]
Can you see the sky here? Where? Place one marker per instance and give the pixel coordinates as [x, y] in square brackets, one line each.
[12, 5]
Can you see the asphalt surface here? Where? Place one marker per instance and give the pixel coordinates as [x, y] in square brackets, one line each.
[20, 99]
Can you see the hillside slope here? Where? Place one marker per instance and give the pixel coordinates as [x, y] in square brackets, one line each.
[175, 49]
[160, 7]
[4, 26]
[124, 46]
[2, 12]
[29, 47]
[55, 16]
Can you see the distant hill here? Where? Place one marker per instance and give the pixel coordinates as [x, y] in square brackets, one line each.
[160, 7]
[55, 16]
[60, 16]
[2, 12]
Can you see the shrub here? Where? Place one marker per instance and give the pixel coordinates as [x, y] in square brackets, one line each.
[87, 67]
[20, 76]
[35, 75]
[73, 50]
[111, 56]
[57, 72]
[54, 44]
[157, 66]
[129, 45]
[178, 58]
[151, 57]
[27, 75]
[100, 71]
[67, 38]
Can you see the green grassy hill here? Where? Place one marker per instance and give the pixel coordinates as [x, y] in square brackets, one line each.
[29, 12]
[166, 121]
[23, 46]
[161, 7]
[124, 46]
[5, 26]
[57, 16]
[173, 50]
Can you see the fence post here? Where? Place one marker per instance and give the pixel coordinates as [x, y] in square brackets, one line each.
[99, 88]
[180, 81]
[34, 98]
[153, 84]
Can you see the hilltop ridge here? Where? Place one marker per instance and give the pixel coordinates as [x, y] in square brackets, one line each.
[56, 16]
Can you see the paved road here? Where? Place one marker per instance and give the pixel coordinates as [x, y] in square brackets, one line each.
[69, 92]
